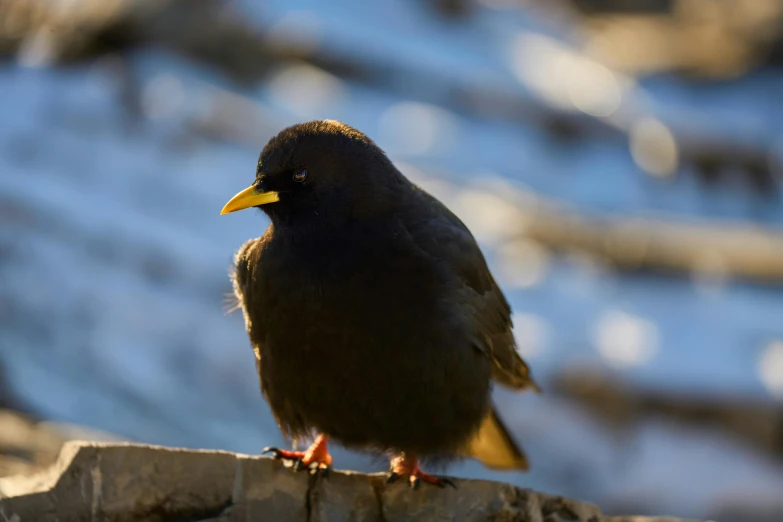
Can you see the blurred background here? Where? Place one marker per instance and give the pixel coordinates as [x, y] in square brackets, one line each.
[618, 160]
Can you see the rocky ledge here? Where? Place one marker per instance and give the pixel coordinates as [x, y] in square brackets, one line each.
[119, 482]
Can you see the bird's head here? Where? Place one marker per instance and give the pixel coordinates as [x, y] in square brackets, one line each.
[319, 171]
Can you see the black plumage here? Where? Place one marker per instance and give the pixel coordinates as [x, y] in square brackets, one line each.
[374, 318]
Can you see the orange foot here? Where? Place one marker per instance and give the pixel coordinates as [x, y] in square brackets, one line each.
[316, 459]
[408, 465]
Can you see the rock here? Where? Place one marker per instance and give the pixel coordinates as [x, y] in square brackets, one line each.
[616, 403]
[118, 482]
[28, 445]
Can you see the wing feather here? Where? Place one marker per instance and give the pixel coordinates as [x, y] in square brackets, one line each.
[444, 237]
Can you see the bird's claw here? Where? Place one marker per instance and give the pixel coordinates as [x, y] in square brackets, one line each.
[314, 468]
[443, 482]
[281, 454]
[322, 471]
[275, 452]
[415, 480]
[298, 464]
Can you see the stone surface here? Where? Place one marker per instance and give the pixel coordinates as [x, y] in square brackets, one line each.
[119, 482]
[29, 445]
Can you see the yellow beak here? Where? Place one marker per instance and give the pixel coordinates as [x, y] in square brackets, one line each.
[249, 197]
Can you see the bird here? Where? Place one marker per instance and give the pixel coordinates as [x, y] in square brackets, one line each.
[374, 318]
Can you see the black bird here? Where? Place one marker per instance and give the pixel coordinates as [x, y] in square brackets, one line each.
[373, 316]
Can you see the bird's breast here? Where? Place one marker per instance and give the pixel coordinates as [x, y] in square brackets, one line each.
[356, 293]
[347, 335]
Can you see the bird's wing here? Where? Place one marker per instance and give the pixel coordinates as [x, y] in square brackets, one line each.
[444, 237]
[244, 261]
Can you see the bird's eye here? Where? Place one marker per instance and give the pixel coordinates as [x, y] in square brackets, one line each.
[300, 176]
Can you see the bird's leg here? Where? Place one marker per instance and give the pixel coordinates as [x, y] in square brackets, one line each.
[316, 458]
[406, 465]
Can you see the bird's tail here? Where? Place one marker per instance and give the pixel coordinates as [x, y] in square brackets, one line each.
[494, 447]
